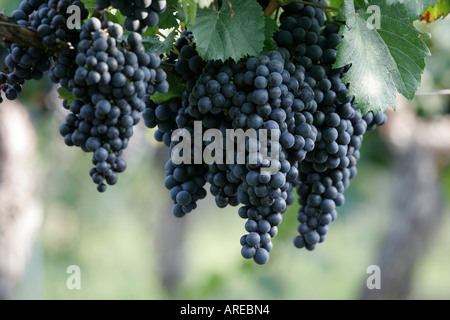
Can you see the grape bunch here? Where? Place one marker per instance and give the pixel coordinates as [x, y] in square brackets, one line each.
[109, 84]
[140, 14]
[296, 95]
[326, 171]
[49, 20]
[252, 94]
[259, 95]
[107, 73]
[186, 181]
[303, 131]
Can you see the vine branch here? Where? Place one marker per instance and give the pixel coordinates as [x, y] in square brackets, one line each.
[271, 7]
[18, 34]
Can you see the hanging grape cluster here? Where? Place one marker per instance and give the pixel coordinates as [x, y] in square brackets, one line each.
[294, 90]
[293, 93]
[108, 76]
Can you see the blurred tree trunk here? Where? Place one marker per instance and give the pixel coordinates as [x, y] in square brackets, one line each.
[417, 214]
[170, 237]
[20, 213]
[418, 203]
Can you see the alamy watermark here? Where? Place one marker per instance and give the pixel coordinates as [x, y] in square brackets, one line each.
[240, 147]
[374, 21]
[374, 280]
[74, 21]
[74, 280]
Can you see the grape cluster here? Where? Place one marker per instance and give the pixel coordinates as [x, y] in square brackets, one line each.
[257, 93]
[300, 33]
[162, 116]
[107, 74]
[170, 115]
[326, 171]
[307, 128]
[49, 20]
[109, 85]
[186, 183]
[187, 62]
[296, 95]
[140, 14]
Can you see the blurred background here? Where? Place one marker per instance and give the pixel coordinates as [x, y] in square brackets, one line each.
[129, 246]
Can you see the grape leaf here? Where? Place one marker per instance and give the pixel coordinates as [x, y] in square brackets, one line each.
[440, 10]
[383, 61]
[270, 26]
[89, 3]
[204, 3]
[115, 16]
[232, 32]
[180, 14]
[359, 3]
[167, 19]
[154, 45]
[66, 94]
[189, 11]
[176, 88]
[415, 8]
[335, 3]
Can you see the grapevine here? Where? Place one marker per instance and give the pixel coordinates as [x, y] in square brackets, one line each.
[292, 80]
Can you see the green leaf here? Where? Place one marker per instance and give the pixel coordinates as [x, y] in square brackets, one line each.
[154, 45]
[115, 16]
[230, 33]
[440, 10]
[360, 3]
[180, 14]
[204, 3]
[270, 26]
[189, 11]
[89, 3]
[172, 4]
[176, 88]
[66, 94]
[335, 3]
[167, 19]
[384, 60]
[415, 8]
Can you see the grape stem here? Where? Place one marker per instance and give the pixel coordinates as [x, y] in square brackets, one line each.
[271, 7]
[161, 34]
[187, 39]
[167, 67]
[175, 50]
[331, 19]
